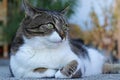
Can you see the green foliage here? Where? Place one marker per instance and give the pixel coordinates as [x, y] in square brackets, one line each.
[13, 24]
[14, 18]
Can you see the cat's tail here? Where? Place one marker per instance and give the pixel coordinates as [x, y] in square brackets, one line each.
[111, 68]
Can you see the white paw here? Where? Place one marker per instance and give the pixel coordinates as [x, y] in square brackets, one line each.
[60, 75]
[50, 73]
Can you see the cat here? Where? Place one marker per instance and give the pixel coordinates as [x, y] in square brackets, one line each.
[42, 48]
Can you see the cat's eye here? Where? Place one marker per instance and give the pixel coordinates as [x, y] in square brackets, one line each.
[65, 27]
[50, 26]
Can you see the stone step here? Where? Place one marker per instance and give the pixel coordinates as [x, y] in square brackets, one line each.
[4, 62]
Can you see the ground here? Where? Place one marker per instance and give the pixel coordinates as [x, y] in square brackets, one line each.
[5, 74]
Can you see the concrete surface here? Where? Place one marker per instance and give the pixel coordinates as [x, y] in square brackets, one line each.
[5, 74]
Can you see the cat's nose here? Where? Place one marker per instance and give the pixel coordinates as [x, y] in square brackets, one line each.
[62, 35]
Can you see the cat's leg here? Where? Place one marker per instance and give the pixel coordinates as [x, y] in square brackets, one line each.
[40, 73]
[68, 71]
[111, 68]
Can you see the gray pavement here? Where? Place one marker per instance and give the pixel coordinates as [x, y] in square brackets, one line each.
[5, 74]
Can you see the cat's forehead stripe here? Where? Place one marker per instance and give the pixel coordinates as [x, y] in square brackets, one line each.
[62, 19]
[58, 18]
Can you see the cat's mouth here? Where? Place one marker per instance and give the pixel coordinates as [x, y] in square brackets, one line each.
[57, 42]
[54, 44]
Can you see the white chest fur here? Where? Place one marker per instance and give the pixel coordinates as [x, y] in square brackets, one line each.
[34, 54]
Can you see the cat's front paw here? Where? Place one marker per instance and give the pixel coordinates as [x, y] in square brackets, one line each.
[68, 71]
[60, 75]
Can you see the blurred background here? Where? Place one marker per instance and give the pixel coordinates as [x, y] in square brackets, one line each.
[94, 22]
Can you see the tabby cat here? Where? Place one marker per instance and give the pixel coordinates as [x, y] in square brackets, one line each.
[42, 48]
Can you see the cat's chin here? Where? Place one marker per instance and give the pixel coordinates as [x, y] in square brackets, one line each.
[56, 42]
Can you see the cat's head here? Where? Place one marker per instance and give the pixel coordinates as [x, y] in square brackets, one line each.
[44, 23]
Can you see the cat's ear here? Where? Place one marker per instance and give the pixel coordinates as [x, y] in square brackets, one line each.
[65, 10]
[29, 10]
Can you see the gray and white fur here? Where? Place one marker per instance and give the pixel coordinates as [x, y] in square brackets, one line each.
[42, 48]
